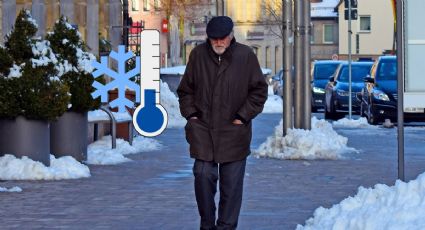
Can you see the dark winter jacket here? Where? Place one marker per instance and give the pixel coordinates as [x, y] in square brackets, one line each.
[219, 89]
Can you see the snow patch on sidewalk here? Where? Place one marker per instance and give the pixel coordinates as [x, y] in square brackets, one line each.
[101, 152]
[12, 168]
[321, 142]
[401, 206]
[14, 189]
[351, 123]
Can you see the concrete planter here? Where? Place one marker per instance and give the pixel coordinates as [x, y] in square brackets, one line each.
[68, 136]
[22, 137]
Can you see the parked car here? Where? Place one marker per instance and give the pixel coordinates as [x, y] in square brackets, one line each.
[320, 73]
[337, 89]
[379, 95]
[277, 83]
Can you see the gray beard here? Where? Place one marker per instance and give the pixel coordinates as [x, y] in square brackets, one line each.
[218, 51]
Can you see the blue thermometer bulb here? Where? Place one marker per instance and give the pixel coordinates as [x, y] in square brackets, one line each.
[150, 118]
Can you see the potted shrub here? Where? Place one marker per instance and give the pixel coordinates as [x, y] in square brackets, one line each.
[31, 94]
[69, 133]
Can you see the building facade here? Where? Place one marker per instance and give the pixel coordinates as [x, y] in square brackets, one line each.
[372, 32]
[324, 30]
[94, 19]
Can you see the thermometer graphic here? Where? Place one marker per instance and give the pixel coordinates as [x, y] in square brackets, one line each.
[150, 118]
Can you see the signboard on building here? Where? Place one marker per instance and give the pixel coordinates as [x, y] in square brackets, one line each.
[414, 43]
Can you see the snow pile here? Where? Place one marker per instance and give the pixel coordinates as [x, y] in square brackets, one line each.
[350, 123]
[401, 206]
[321, 142]
[12, 168]
[274, 103]
[101, 152]
[14, 189]
[100, 115]
[171, 105]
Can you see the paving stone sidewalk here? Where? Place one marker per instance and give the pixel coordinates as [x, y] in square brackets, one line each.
[155, 190]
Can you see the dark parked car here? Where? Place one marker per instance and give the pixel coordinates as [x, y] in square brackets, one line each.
[337, 89]
[379, 95]
[320, 73]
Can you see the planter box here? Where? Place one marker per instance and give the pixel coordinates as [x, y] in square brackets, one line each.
[22, 137]
[122, 128]
[68, 136]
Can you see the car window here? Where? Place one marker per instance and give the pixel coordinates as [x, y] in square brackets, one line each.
[324, 71]
[358, 73]
[387, 70]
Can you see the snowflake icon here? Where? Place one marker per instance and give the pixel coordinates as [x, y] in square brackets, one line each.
[121, 79]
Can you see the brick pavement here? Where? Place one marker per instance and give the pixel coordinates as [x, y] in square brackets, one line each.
[155, 191]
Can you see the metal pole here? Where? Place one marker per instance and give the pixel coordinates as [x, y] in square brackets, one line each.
[349, 60]
[288, 38]
[299, 63]
[400, 87]
[125, 22]
[307, 76]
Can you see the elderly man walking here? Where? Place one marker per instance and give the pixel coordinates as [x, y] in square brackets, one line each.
[221, 91]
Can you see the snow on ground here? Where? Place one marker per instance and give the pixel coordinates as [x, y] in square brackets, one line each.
[401, 206]
[12, 168]
[351, 123]
[321, 142]
[101, 152]
[171, 105]
[274, 103]
[14, 189]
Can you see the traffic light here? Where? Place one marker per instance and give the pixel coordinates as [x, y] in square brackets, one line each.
[354, 14]
[353, 3]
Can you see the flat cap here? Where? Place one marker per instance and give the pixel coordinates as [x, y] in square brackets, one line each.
[219, 27]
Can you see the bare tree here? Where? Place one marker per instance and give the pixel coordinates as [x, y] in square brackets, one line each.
[273, 17]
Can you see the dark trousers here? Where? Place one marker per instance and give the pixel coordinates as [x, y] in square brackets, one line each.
[230, 177]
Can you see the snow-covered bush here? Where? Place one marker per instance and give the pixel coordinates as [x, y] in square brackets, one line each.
[74, 65]
[29, 83]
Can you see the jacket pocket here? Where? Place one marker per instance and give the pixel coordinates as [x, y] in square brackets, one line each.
[199, 139]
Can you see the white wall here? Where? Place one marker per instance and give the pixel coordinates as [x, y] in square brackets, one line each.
[382, 28]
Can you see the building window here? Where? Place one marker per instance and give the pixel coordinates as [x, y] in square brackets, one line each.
[156, 4]
[267, 57]
[135, 5]
[328, 33]
[364, 23]
[146, 6]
